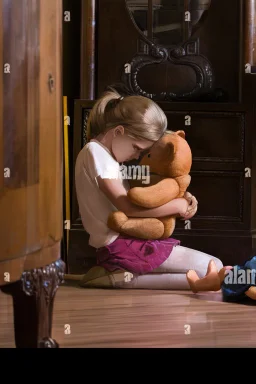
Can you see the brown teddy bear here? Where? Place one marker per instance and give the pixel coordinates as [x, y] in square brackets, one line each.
[170, 162]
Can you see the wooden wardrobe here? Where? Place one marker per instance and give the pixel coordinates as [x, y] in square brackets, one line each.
[196, 59]
[31, 226]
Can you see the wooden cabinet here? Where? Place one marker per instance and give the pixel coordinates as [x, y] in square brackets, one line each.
[31, 140]
[31, 226]
[196, 59]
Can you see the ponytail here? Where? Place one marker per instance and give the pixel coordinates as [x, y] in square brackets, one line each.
[96, 121]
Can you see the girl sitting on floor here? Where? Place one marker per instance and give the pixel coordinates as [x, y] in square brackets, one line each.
[124, 128]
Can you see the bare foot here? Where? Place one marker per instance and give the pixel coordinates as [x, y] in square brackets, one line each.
[223, 272]
[211, 281]
[192, 278]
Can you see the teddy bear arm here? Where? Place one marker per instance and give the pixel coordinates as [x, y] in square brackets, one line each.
[154, 195]
[169, 223]
[183, 182]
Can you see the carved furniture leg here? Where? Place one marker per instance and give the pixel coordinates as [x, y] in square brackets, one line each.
[33, 298]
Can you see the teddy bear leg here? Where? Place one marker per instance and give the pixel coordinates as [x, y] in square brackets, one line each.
[116, 220]
[183, 182]
[143, 228]
[169, 226]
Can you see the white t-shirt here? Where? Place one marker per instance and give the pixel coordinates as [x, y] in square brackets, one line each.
[96, 160]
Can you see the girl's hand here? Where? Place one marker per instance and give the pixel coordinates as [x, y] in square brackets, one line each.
[192, 206]
[181, 206]
[188, 196]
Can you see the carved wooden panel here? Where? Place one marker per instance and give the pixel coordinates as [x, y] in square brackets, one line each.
[199, 61]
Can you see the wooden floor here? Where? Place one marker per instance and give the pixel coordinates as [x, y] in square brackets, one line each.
[140, 318]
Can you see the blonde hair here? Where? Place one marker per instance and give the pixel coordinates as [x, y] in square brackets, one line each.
[141, 117]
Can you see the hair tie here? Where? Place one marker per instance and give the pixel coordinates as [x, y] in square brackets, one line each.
[121, 98]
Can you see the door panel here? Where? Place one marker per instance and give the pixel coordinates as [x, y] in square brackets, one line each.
[221, 197]
[217, 137]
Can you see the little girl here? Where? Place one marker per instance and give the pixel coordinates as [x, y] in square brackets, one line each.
[125, 128]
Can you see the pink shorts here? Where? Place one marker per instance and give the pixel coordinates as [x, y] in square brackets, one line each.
[135, 255]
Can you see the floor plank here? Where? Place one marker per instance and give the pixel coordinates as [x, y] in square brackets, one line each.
[141, 318]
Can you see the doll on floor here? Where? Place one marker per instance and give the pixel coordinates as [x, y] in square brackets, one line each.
[236, 283]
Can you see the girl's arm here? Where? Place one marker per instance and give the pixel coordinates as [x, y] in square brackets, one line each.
[116, 193]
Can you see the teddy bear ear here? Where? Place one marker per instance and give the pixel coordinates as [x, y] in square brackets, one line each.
[171, 151]
[181, 134]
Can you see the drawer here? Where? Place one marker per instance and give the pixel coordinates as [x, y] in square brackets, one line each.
[214, 137]
[223, 200]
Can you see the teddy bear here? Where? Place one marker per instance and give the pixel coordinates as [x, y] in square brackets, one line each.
[169, 162]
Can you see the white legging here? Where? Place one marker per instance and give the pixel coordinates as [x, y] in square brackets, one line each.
[172, 273]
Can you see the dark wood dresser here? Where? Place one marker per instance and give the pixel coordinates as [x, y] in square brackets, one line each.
[196, 59]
